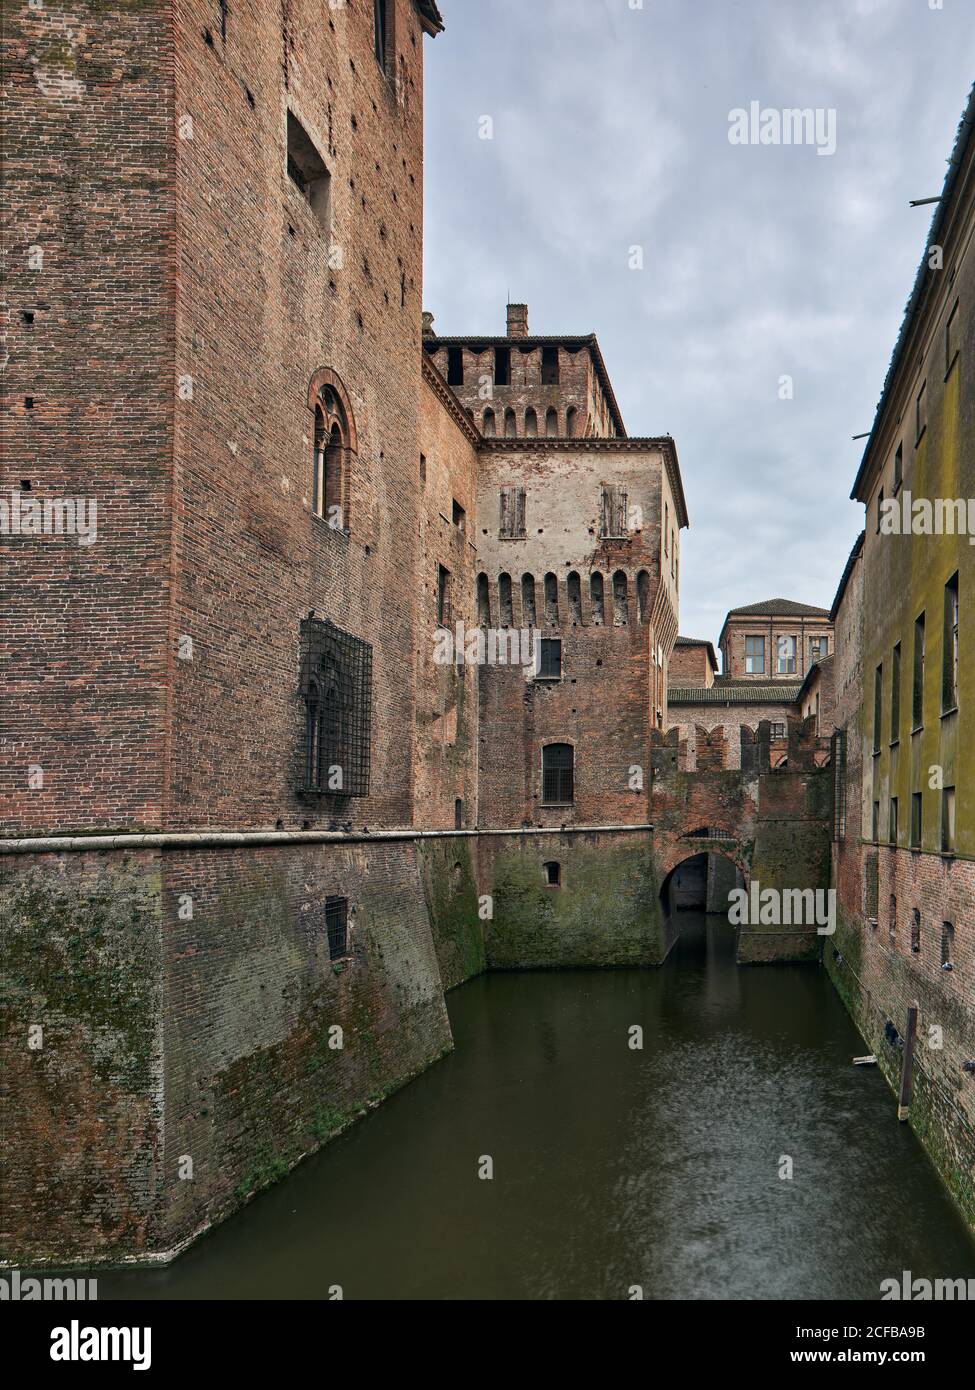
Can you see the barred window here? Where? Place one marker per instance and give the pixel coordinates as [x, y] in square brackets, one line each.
[336, 685]
[557, 769]
[337, 927]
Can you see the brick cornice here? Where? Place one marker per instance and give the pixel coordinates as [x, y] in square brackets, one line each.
[449, 401]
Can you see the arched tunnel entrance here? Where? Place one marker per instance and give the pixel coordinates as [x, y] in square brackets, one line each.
[705, 865]
[700, 883]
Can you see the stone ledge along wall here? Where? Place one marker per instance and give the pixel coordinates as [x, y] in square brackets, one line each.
[188, 1061]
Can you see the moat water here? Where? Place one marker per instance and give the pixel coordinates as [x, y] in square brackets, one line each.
[613, 1167]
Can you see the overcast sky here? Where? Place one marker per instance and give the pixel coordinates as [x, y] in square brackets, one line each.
[610, 130]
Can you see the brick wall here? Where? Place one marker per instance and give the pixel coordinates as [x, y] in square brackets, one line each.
[90, 265]
[446, 694]
[268, 297]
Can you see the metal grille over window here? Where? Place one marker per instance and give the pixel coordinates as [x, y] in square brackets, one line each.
[337, 927]
[557, 760]
[837, 748]
[336, 685]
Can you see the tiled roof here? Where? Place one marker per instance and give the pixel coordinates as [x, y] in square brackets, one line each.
[845, 577]
[735, 693]
[779, 607]
[699, 642]
[822, 667]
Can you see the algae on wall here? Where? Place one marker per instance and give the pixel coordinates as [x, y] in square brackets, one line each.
[450, 888]
[81, 1054]
[604, 912]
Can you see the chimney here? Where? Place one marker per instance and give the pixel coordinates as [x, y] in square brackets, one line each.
[517, 320]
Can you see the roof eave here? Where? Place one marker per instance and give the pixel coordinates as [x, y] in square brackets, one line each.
[945, 202]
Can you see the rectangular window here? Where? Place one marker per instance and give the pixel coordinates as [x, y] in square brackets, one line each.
[755, 656]
[423, 469]
[916, 932]
[777, 731]
[613, 512]
[917, 701]
[550, 365]
[951, 338]
[948, 820]
[502, 366]
[895, 693]
[898, 467]
[337, 927]
[557, 770]
[308, 172]
[455, 366]
[949, 674]
[512, 525]
[878, 700]
[380, 10]
[458, 814]
[550, 658]
[947, 946]
[892, 829]
[880, 509]
[818, 649]
[458, 515]
[916, 823]
[336, 686]
[443, 596]
[875, 822]
[920, 413]
[785, 664]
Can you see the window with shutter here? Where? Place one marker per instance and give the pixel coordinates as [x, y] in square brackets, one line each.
[512, 513]
[613, 512]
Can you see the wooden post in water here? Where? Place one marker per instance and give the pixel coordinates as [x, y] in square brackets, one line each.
[907, 1064]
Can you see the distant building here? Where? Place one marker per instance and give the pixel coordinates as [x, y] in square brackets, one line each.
[776, 640]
